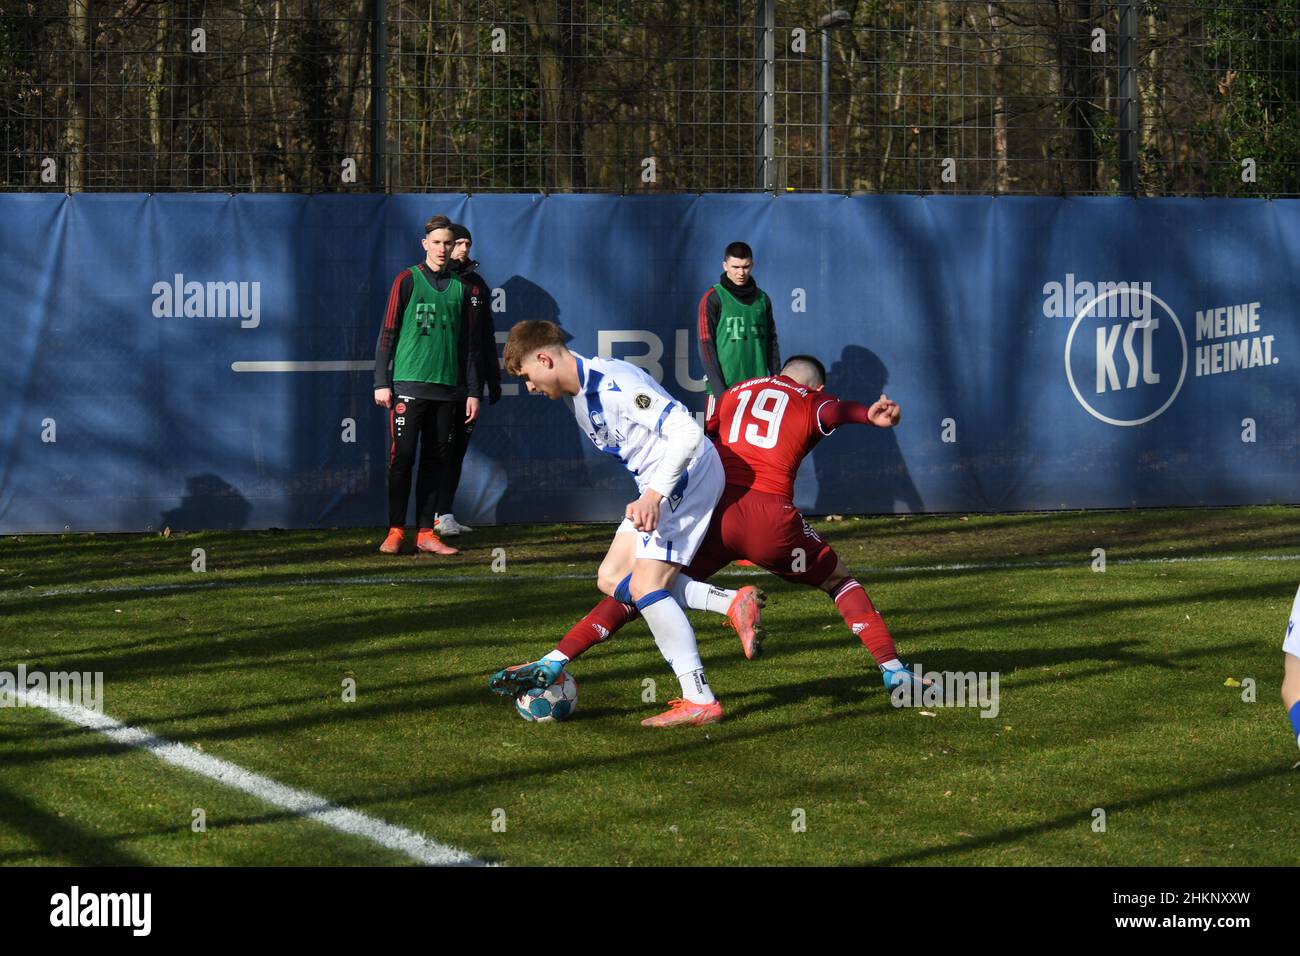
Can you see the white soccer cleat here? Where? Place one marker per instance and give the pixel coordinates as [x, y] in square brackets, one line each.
[448, 525]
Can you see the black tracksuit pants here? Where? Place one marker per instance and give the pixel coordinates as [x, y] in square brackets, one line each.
[434, 426]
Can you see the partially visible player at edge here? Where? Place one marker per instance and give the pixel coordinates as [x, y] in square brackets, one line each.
[767, 425]
[626, 413]
[466, 268]
[1291, 667]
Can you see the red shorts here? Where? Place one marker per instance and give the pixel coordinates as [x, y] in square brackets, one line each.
[768, 530]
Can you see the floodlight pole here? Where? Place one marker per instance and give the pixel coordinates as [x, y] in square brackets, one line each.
[836, 18]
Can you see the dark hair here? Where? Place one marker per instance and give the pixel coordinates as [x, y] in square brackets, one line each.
[809, 361]
[738, 250]
[437, 222]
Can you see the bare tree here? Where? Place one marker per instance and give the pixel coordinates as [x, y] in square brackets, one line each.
[77, 133]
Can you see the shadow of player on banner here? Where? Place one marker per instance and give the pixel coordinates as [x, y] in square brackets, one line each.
[210, 502]
[525, 462]
[860, 469]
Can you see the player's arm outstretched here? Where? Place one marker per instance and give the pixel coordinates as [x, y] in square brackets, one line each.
[833, 413]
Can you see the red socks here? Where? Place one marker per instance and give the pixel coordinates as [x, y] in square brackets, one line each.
[599, 624]
[850, 599]
[864, 620]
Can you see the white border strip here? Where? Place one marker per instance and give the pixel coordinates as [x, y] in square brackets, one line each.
[341, 366]
[298, 802]
[14, 594]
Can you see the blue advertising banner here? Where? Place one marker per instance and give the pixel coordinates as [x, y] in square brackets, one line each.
[205, 361]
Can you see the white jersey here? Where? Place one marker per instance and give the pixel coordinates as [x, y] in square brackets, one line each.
[627, 414]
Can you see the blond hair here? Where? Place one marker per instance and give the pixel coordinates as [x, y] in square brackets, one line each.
[526, 338]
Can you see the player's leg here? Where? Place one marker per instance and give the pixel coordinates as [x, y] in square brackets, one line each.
[605, 619]
[1291, 691]
[403, 439]
[866, 623]
[788, 547]
[597, 626]
[744, 605]
[446, 523]
[615, 571]
[741, 607]
[673, 634]
[436, 442]
[1291, 667]
[683, 526]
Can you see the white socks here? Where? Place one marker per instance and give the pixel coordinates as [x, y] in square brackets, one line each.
[699, 596]
[676, 641]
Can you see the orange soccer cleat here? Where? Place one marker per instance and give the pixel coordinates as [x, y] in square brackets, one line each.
[426, 540]
[681, 712]
[393, 543]
[743, 615]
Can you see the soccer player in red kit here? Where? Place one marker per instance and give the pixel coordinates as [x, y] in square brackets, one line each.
[766, 428]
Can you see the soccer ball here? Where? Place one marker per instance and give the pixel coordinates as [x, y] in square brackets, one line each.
[543, 704]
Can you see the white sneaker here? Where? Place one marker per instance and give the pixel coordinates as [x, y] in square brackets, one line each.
[447, 525]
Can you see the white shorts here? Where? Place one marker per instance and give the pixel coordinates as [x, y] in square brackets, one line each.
[684, 517]
[1291, 643]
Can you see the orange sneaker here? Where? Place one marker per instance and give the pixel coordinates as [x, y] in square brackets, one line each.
[743, 615]
[743, 563]
[393, 543]
[681, 712]
[426, 540]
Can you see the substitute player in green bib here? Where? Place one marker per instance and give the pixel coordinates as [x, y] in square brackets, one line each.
[427, 376]
[737, 337]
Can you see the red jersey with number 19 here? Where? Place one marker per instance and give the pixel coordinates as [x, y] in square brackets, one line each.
[765, 428]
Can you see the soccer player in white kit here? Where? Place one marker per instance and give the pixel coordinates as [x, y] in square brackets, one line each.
[627, 414]
[1291, 667]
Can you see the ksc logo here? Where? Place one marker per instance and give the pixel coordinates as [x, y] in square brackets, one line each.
[1126, 355]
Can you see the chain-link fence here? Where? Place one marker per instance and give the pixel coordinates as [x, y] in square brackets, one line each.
[1017, 96]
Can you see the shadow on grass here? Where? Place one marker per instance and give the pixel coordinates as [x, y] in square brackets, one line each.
[89, 558]
[61, 840]
[1079, 818]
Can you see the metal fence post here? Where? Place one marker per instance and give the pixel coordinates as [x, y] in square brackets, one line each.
[1128, 105]
[766, 110]
[378, 95]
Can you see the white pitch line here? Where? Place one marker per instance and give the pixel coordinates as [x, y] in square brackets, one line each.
[298, 802]
[302, 366]
[12, 594]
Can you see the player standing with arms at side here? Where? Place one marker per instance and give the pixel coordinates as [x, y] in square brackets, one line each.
[489, 370]
[426, 375]
[1291, 667]
[735, 332]
[627, 414]
[768, 425]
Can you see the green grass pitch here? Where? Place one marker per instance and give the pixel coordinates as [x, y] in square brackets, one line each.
[1114, 695]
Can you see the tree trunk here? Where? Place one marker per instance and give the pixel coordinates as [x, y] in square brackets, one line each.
[277, 124]
[77, 134]
[1002, 174]
[893, 113]
[545, 34]
[350, 71]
